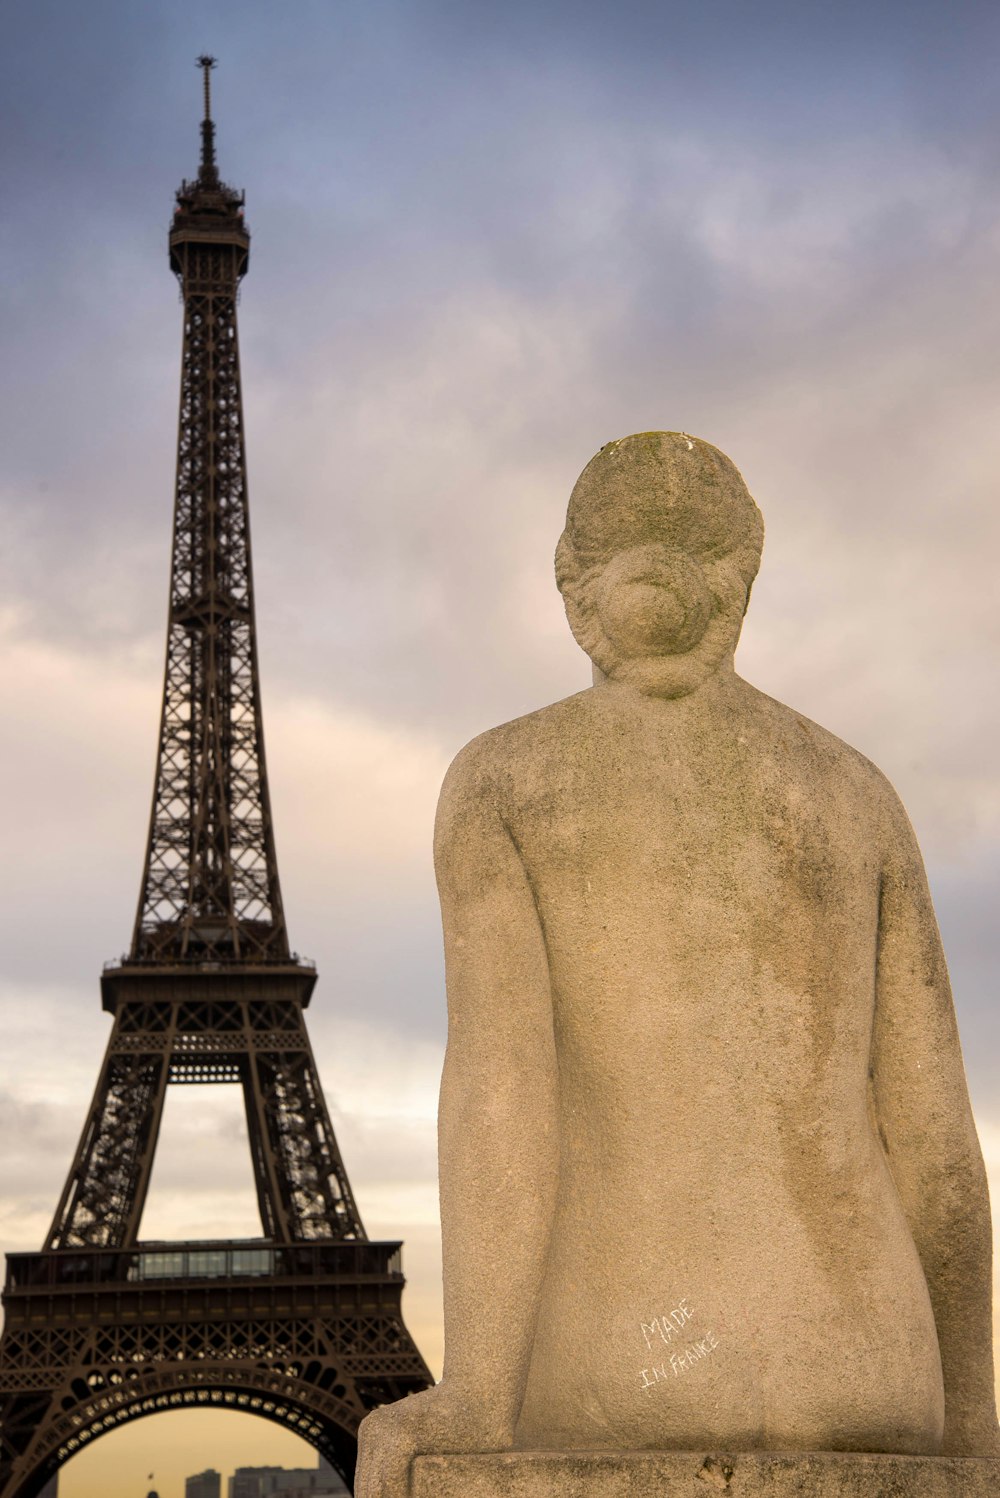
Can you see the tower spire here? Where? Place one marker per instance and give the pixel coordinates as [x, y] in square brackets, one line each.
[208, 172]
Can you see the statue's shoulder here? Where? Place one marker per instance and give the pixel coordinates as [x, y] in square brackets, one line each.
[494, 762]
[820, 753]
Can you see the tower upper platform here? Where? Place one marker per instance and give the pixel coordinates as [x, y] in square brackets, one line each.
[208, 212]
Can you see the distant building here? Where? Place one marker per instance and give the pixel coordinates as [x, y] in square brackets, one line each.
[207, 1484]
[286, 1482]
[331, 1480]
[246, 1481]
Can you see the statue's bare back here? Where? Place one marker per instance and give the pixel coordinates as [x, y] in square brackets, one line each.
[712, 947]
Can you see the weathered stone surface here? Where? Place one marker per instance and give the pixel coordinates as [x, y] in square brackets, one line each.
[682, 1474]
[709, 1176]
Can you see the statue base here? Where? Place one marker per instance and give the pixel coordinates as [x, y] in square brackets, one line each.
[687, 1474]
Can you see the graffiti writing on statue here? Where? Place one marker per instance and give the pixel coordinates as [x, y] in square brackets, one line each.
[670, 1329]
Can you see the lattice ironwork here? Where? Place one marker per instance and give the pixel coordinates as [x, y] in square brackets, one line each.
[303, 1325]
[302, 1187]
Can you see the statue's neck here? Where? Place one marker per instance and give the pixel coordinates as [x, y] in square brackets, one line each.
[714, 692]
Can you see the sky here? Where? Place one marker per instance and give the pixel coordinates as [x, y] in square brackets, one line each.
[485, 241]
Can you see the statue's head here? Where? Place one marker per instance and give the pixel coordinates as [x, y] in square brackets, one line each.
[661, 545]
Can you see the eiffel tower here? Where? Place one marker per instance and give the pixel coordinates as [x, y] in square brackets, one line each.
[303, 1325]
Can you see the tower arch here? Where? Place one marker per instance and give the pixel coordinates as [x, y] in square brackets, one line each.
[322, 1418]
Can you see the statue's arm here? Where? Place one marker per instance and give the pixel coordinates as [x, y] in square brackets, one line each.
[921, 1104]
[498, 1148]
[497, 1132]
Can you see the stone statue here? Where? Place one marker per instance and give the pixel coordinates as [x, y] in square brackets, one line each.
[709, 1175]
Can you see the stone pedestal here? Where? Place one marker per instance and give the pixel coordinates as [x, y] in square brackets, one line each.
[686, 1474]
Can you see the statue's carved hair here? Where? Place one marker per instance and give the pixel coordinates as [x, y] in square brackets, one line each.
[661, 495]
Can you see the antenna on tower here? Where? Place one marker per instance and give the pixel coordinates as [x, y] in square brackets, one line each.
[208, 170]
